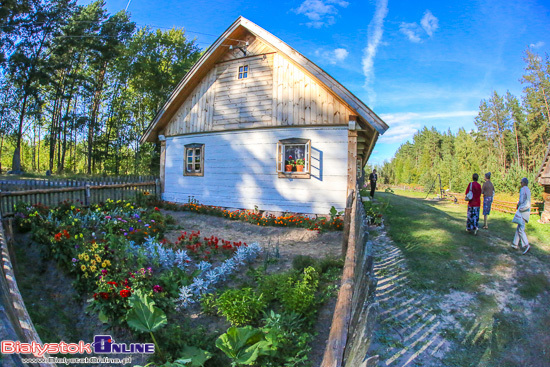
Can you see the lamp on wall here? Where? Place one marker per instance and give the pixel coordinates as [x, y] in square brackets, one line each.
[162, 138]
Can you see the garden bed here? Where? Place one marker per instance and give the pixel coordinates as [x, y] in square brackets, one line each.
[284, 278]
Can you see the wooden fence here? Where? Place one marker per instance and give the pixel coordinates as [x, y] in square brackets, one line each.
[85, 192]
[498, 205]
[355, 312]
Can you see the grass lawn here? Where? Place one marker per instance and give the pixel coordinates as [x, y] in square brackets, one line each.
[511, 292]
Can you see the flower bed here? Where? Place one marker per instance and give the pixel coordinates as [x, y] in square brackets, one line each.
[333, 223]
[120, 262]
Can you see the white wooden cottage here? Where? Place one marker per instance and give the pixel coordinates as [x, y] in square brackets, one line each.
[234, 128]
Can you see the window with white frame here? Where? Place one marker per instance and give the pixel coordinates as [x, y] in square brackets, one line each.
[243, 72]
[194, 160]
[294, 158]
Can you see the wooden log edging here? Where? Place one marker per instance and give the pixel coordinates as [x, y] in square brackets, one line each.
[356, 310]
[15, 306]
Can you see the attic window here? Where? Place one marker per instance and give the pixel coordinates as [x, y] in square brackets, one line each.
[194, 160]
[294, 158]
[243, 72]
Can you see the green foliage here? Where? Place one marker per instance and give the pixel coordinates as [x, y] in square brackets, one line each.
[208, 303]
[300, 262]
[143, 315]
[298, 293]
[375, 210]
[241, 306]
[244, 345]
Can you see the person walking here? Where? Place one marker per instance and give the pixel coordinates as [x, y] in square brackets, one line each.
[488, 191]
[522, 216]
[473, 196]
[373, 177]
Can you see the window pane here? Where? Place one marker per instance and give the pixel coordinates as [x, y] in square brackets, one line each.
[189, 152]
[189, 168]
[294, 152]
[246, 68]
[244, 75]
[240, 75]
[197, 167]
[197, 159]
[198, 152]
[240, 69]
[189, 159]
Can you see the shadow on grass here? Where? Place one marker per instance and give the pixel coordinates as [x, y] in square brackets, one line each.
[440, 253]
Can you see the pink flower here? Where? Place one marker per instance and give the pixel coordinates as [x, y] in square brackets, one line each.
[157, 288]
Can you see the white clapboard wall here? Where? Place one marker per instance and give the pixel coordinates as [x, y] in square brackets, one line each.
[240, 170]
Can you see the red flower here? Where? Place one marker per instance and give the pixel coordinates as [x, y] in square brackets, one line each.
[104, 295]
[157, 209]
[113, 283]
[125, 293]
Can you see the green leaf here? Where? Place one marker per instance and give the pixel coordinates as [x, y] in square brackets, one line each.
[194, 357]
[102, 317]
[144, 316]
[244, 345]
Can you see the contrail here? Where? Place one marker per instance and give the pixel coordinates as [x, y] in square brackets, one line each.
[127, 5]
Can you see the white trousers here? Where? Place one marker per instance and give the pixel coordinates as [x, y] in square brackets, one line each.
[520, 234]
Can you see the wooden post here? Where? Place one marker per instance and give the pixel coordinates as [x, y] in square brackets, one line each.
[87, 196]
[158, 192]
[163, 168]
[347, 221]
[352, 160]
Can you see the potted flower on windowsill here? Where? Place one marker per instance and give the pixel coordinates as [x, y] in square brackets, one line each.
[289, 164]
[300, 165]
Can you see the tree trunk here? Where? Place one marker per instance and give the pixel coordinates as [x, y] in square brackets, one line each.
[95, 110]
[16, 162]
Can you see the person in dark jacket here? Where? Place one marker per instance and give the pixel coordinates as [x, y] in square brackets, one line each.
[473, 204]
[373, 177]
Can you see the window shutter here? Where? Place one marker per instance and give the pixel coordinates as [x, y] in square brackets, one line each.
[308, 156]
[280, 160]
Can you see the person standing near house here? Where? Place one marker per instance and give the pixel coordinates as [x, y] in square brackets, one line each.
[473, 196]
[522, 216]
[488, 191]
[373, 177]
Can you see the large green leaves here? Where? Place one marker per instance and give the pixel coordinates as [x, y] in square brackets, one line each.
[144, 316]
[244, 345]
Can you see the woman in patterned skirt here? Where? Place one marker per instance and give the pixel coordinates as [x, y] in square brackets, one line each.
[473, 204]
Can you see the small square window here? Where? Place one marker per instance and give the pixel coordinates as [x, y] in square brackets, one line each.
[294, 158]
[194, 165]
[243, 72]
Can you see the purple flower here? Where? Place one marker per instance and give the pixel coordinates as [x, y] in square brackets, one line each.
[157, 288]
[136, 216]
[74, 260]
[126, 234]
[139, 220]
[152, 221]
[76, 246]
[104, 271]
[131, 229]
[107, 217]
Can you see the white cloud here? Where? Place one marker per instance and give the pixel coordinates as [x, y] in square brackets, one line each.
[375, 32]
[332, 56]
[429, 23]
[412, 31]
[320, 12]
[539, 44]
[404, 125]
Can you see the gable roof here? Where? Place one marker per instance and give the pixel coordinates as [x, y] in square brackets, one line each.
[219, 47]
[544, 173]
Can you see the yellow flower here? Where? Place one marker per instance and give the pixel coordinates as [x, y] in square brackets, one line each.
[93, 268]
[80, 256]
[94, 246]
[86, 257]
[83, 267]
[93, 262]
[108, 262]
[104, 265]
[97, 258]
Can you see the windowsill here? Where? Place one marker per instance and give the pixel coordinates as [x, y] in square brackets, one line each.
[193, 174]
[298, 175]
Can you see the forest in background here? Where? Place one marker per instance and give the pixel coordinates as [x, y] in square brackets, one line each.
[511, 137]
[78, 87]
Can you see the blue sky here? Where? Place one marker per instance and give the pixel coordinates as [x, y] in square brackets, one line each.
[414, 63]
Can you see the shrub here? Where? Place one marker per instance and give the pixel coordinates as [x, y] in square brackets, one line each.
[298, 295]
[241, 306]
[300, 262]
